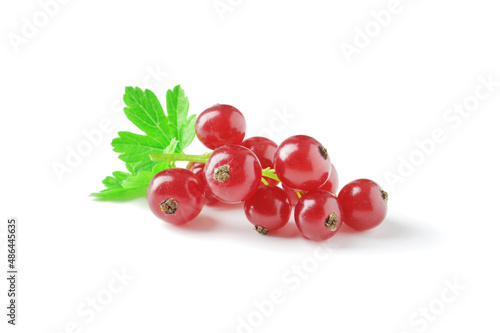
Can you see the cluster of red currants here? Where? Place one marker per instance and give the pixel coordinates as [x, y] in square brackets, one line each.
[250, 171]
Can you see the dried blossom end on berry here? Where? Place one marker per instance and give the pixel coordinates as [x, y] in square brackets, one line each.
[331, 221]
[385, 195]
[261, 230]
[323, 151]
[222, 173]
[169, 206]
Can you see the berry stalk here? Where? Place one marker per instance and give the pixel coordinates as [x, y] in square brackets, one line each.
[269, 173]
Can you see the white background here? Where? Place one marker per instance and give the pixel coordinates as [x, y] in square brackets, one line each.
[265, 58]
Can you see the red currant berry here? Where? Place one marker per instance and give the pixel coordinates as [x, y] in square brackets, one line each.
[364, 204]
[318, 215]
[199, 170]
[292, 194]
[220, 125]
[233, 173]
[332, 184]
[265, 150]
[302, 163]
[176, 195]
[268, 209]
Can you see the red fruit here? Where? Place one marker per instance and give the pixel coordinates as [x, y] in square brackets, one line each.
[268, 209]
[332, 184]
[233, 173]
[176, 195]
[292, 194]
[220, 125]
[302, 163]
[364, 204]
[318, 215]
[265, 150]
[199, 170]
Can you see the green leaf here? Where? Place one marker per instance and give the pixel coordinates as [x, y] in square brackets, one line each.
[162, 166]
[120, 194]
[125, 186]
[141, 180]
[188, 132]
[180, 124]
[135, 150]
[162, 135]
[145, 111]
[116, 180]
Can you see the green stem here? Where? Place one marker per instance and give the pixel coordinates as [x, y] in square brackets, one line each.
[269, 173]
[180, 157]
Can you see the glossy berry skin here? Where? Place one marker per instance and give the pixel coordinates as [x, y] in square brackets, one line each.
[318, 215]
[364, 204]
[268, 209]
[199, 170]
[292, 195]
[265, 150]
[302, 163]
[233, 173]
[176, 195]
[332, 184]
[220, 125]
